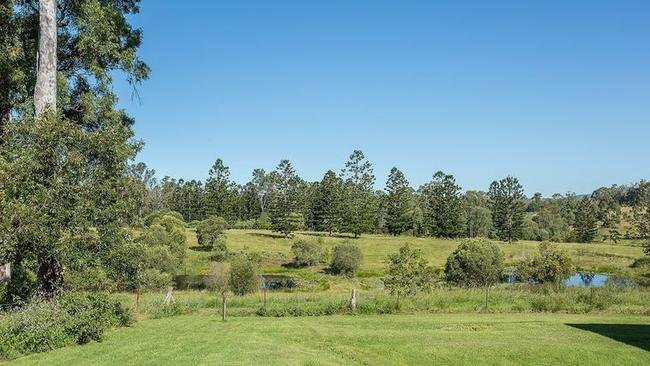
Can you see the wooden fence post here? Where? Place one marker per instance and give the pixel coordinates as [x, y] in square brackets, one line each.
[353, 300]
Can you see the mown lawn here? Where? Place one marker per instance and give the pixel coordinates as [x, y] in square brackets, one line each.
[597, 257]
[446, 339]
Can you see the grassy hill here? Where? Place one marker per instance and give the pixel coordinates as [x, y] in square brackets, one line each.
[276, 251]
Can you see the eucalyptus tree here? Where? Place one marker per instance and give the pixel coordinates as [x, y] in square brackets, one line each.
[64, 183]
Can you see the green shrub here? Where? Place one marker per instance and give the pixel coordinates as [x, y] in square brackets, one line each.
[244, 278]
[643, 262]
[76, 318]
[90, 279]
[90, 314]
[551, 265]
[474, 263]
[346, 258]
[210, 230]
[220, 250]
[306, 253]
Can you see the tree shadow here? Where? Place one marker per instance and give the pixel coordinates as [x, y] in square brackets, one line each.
[327, 235]
[637, 335]
[268, 235]
[201, 248]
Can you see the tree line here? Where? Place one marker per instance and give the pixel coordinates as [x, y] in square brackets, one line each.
[347, 202]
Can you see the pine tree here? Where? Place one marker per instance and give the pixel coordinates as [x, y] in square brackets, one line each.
[285, 199]
[444, 211]
[328, 203]
[220, 192]
[507, 205]
[586, 221]
[397, 202]
[642, 214]
[357, 209]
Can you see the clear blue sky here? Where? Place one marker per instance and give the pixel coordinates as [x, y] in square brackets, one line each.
[556, 93]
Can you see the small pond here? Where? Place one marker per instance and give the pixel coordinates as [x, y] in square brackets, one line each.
[581, 279]
[268, 281]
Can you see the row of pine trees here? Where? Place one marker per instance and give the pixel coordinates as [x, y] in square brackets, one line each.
[348, 202]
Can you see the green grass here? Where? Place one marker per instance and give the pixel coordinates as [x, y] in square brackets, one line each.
[597, 257]
[449, 339]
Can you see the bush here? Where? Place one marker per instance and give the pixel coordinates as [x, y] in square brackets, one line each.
[306, 253]
[551, 265]
[243, 276]
[76, 318]
[90, 279]
[474, 263]
[346, 258]
[220, 250]
[642, 262]
[209, 230]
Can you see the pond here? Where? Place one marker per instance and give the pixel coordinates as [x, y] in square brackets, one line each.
[268, 281]
[578, 279]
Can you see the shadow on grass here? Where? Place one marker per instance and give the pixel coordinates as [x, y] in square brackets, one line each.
[327, 235]
[201, 248]
[268, 235]
[637, 335]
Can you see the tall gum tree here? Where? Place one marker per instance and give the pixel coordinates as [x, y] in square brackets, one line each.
[45, 90]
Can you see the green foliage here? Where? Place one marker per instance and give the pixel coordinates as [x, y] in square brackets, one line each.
[397, 202]
[551, 265]
[477, 215]
[209, 230]
[220, 250]
[244, 278]
[285, 199]
[306, 252]
[642, 214]
[76, 318]
[507, 205]
[358, 204]
[220, 192]
[346, 258]
[59, 184]
[474, 263]
[586, 222]
[22, 285]
[408, 272]
[327, 209]
[444, 213]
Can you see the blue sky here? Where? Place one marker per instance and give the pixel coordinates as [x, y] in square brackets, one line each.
[556, 93]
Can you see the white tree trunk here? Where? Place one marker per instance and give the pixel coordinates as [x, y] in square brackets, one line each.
[45, 90]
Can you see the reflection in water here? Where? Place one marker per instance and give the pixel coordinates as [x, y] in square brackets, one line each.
[578, 279]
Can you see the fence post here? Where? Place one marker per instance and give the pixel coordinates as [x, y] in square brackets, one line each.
[353, 300]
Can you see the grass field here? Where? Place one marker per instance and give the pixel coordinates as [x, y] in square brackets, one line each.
[595, 257]
[449, 339]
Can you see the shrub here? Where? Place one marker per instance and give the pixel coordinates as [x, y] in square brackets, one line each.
[474, 263]
[346, 258]
[210, 230]
[76, 318]
[306, 253]
[408, 273]
[89, 279]
[220, 250]
[243, 276]
[641, 262]
[551, 265]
